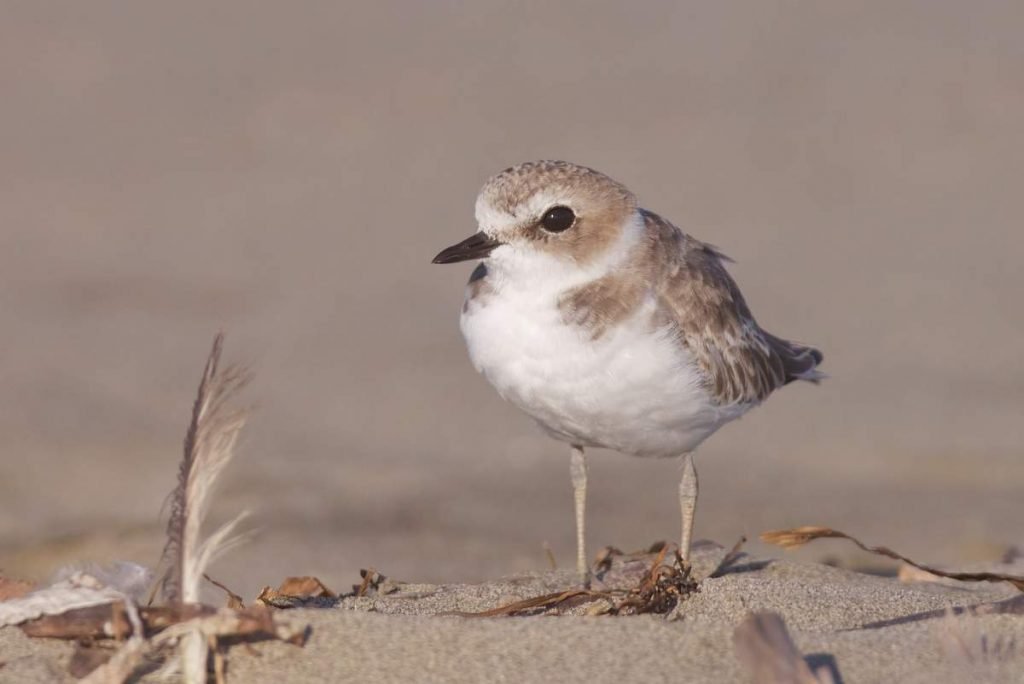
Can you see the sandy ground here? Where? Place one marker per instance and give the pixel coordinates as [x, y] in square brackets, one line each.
[861, 628]
[286, 173]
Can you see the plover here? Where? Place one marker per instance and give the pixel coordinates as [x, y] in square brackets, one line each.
[610, 326]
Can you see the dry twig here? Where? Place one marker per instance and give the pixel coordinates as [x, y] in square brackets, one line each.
[235, 601]
[728, 559]
[797, 537]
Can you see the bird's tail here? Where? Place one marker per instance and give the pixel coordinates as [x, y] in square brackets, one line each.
[799, 361]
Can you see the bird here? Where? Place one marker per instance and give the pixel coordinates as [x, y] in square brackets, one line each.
[611, 327]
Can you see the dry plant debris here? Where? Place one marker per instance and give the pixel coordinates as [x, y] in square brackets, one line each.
[797, 537]
[373, 583]
[731, 557]
[294, 592]
[111, 621]
[253, 623]
[99, 610]
[659, 591]
[235, 602]
[765, 648]
[306, 586]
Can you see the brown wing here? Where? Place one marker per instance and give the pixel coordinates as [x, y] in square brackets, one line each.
[698, 297]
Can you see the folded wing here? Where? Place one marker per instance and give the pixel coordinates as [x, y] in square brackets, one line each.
[699, 299]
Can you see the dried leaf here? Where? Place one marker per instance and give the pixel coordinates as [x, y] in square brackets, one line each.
[265, 594]
[791, 539]
[275, 599]
[766, 650]
[305, 587]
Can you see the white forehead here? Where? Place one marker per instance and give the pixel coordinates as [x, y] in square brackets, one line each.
[492, 218]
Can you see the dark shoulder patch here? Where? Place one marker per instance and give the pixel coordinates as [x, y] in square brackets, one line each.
[478, 288]
[479, 273]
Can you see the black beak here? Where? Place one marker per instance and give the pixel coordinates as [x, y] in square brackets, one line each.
[476, 246]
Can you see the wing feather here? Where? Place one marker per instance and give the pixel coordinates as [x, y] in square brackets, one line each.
[700, 300]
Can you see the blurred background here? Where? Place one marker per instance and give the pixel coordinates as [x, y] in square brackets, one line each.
[285, 174]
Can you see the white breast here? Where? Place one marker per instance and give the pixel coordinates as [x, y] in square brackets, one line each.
[633, 389]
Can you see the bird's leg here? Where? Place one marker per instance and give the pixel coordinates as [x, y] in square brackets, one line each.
[578, 470]
[687, 503]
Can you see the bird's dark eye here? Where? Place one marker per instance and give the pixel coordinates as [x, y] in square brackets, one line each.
[558, 219]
